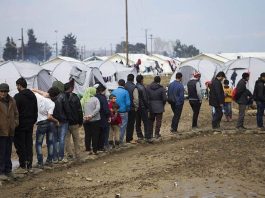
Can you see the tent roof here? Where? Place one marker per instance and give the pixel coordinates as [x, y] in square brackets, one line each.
[232, 56]
[207, 56]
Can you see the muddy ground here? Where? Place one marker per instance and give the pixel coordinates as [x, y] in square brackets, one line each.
[205, 165]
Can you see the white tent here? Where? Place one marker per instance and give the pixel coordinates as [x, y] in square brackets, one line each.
[207, 68]
[35, 76]
[112, 72]
[255, 66]
[65, 69]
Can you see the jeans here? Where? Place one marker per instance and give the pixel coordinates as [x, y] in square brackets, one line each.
[217, 117]
[59, 141]
[103, 137]
[5, 154]
[124, 122]
[177, 110]
[158, 118]
[241, 116]
[23, 142]
[74, 132]
[142, 115]
[130, 125]
[196, 106]
[228, 109]
[92, 130]
[42, 131]
[260, 113]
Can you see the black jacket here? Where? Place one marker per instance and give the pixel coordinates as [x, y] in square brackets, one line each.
[104, 110]
[157, 98]
[130, 86]
[76, 109]
[216, 97]
[143, 98]
[27, 107]
[259, 91]
[62, 111]
[243, 94]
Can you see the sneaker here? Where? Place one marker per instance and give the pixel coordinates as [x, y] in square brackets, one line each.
[39, 166]
[133, 142]
[48, 163]
[95, 153]
[56, 161]
[70, 157]
[241, 129]
[149, 141]
[64, 160]
[261, 128]
[157, 136]
[20, 170]
[3, 177]
[173, 131]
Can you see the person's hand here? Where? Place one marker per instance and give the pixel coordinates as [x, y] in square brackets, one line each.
[109, 120]
[57, 123]
[221, 105]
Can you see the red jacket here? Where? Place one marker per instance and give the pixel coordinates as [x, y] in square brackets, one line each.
[115, 118]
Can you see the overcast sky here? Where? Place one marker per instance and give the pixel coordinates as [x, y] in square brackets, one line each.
[210, 25]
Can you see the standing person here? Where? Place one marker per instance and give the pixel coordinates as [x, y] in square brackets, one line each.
[91, 110]
[133, 92]
[176, 100]
[195, 97]
[157, 100]
[75, 123]
[233, 78]
[228, 101]
[104, 117]
[115, 122]
[62, 113]
[142, 111]
[9, 120]
[45, 123]
[123, 100]
[259, 97]
[243, 96]
[28, 112]
[216, 99]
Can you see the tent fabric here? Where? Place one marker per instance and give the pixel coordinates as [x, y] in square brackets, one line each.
[65, 69]
[35, 76]
[112, 72]
[255, 66]
[208, 70]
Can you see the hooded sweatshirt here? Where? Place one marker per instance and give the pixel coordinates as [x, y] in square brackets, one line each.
[157, 97]
[27, 107]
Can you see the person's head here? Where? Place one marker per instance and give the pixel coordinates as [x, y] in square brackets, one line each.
[262, 76]
[220, 76]
[130, 78]
[4, 89]
[59, 85]
[157, 79]
[115, 107]
[245, 76]
[68, 87]
[112, 98]
[121, 82]
[197, 75]
[179, 76]
[21, 84]
[139, 79]
[101, 89]
[226, 82]
[53, 93]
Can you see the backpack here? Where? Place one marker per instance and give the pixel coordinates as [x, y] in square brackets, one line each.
[234, 94]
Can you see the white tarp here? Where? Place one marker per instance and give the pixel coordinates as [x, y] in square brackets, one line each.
[36, 76]
[112, 72]
[208, 70]
[255, 66]
[64, 69]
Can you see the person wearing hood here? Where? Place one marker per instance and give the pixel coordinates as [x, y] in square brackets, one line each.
[28, 113]
[8, 121]
[195, 97]
[91, 110]
[157, 100]
[259, 97]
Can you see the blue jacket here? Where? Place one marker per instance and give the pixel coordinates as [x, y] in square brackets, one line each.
[176, 93]
[122, 99]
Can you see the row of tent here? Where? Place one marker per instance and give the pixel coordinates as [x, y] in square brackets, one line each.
[108, 72]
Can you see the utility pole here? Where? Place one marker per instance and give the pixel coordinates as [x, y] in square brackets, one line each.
[146, 41]
[151, 38]
[126, 44]
[22, 45]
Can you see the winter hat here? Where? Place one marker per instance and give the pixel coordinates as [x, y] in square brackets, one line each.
[197, 75]
[4, 87]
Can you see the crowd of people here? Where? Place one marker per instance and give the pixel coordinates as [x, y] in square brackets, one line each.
[108, 122]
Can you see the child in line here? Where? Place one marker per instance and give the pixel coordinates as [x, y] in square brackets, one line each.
[228, 101]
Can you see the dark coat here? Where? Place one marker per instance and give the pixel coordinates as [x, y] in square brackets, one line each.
[259, 91]
[27, 107]
[143, 98]
[157, 98]
[216, 97]
[243, 94]
[62, 111]
[104, 110]
[76, 109]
